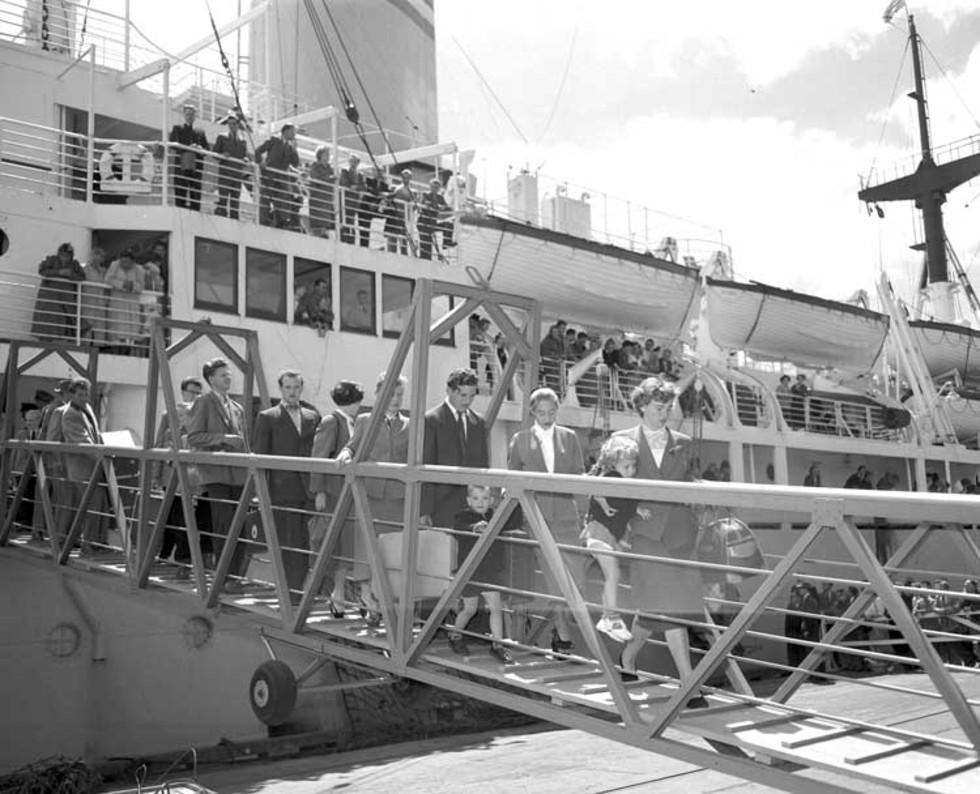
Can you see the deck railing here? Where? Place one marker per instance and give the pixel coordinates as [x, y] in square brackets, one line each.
[77, 312]
[744, 620]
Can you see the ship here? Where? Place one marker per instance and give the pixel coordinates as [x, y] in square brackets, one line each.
[88, 160]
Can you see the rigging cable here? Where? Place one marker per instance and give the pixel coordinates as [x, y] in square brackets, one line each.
[357, 77]
[493, 93]
[949, 80]
[338, 79]
[891, 100]
[561, 84]
[231, 77]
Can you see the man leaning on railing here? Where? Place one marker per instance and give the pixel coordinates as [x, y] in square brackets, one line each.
[56, 307]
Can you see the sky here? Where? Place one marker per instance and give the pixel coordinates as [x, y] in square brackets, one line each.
[757, 118]
[751, 122]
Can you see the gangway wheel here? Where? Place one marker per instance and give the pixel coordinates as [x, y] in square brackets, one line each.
[272, 692]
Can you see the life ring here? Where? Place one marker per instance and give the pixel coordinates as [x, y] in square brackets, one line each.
[123, 154]
[272, 692]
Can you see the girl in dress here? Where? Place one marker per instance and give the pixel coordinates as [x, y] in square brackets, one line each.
[606, 526]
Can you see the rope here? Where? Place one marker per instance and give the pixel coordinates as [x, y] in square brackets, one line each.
[891, 100]
[489, 88]
[952, 85]
[231, 76]
[561, 85]
[357, 77]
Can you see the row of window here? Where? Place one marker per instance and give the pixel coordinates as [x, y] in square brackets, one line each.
[216, 289]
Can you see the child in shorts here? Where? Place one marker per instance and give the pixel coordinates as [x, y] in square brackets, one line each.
[470, 523]
[606, 526]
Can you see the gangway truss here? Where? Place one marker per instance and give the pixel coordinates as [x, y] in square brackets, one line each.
[916, 733]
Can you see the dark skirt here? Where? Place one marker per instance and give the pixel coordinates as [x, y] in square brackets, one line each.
[492, 567]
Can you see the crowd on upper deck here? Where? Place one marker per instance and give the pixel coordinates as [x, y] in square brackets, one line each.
[345, 200]
[109, 301]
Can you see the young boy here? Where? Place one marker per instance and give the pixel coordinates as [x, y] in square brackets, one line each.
[470, 523]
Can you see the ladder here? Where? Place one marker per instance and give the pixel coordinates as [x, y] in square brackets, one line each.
[910, 357]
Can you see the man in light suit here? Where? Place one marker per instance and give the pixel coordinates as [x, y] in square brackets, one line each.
[332, 436]
[217, 424]
[288, 429]
[59, 489]
[79, 426]
[454, 436]
[549, 447]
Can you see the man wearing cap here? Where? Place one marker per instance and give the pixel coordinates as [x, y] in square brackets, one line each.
[279, 162]
[352, 189]
[57, 297]
[79, 426]
[188, 161]
[401, 214]
[433, 218]
[230, 147]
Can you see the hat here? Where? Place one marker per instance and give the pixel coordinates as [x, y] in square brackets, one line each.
[347, 392]
[232, 116]
[66, 248]
[435, 181]
[62, 386]
[189, 106]
[406, 171]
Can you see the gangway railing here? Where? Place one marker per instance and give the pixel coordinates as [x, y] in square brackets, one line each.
[790, 724]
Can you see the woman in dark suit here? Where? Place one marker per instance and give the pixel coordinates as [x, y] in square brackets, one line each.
[332, 436]
[663, 529]
[386, 497]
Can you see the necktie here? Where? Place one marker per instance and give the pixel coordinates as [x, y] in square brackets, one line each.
[462, 426]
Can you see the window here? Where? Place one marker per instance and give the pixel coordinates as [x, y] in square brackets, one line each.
[215, 275]
[312, 293]
[357, 301]
[265, 285]
[396, 300]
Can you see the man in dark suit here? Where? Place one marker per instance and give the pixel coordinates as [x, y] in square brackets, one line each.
[332, 436]
[352, 188]
[288, 429]
[279, 199]
[217, 424]
[79, 426]
[454, 436]
[175, 532]
[188, 160]
[548, 447]
[231, 167]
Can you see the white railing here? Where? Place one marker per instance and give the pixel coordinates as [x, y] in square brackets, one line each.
[68, 28]
[49, 162]
[946, 153]
[77, 312]
[557, 204]
[840, 417]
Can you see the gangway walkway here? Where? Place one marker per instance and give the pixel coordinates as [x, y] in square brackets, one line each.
[915, 733]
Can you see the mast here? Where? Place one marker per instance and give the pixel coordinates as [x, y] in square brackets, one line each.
[927, 186]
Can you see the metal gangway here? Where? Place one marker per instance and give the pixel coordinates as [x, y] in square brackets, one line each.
[916, 731]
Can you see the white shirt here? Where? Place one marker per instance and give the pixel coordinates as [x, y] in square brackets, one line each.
[657, 441]
[546, 438]
[296, 414]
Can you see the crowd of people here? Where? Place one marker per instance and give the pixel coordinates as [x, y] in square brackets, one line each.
[413, 221]
[208, 419]
[105, 302]
[626, 362]
[811, 611]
